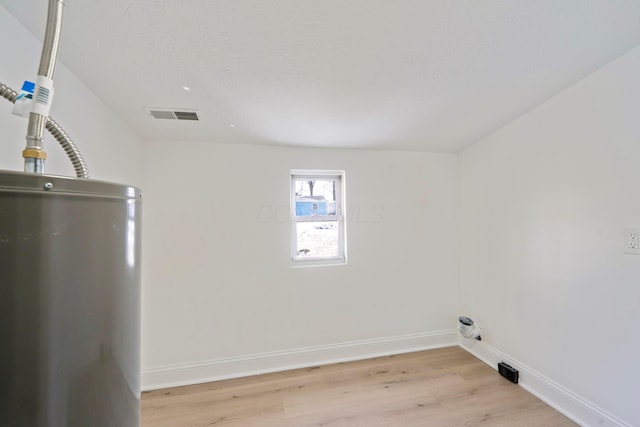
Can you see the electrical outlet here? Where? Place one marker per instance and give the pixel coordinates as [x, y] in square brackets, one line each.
[632, 241]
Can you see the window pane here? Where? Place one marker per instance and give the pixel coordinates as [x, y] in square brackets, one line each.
[316, 197]
[317, 239]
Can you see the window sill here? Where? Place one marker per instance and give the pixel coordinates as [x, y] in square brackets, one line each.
[323, 262]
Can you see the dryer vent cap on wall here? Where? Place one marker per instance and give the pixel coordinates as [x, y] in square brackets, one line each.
[173, 114]
[468, 328]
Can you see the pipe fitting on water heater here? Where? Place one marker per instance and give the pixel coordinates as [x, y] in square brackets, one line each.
[34, 154]
[468, 328]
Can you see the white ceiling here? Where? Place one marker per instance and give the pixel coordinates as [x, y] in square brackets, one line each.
[432, 75]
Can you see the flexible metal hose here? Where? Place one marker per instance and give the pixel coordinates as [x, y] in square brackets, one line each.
[34, 154]
[82, 171]
[58, 133]
[8, 93]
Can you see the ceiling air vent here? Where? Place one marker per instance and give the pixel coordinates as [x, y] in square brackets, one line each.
[186, 115]
[173, 114]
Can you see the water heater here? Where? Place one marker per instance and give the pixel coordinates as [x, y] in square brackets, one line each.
[69, 302]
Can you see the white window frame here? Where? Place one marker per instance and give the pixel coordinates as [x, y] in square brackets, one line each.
[338, 218]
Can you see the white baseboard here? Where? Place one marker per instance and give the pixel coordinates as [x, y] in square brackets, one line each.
[255, 364]
[565, 401]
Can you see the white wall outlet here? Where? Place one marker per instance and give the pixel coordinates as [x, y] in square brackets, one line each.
[632, 241]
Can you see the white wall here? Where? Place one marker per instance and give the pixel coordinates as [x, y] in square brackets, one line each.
[543, 205]
[220, 296]
[112, 151]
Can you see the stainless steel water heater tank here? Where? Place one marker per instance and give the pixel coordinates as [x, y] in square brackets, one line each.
[69, 302]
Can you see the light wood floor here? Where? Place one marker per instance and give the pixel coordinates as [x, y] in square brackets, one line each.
[444, 387]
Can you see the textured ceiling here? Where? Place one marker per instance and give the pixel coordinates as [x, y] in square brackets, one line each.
[432, 75]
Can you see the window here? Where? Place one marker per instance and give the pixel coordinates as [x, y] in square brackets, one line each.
[317, 217]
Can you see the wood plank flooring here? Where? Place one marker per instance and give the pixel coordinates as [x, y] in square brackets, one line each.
[443, 387]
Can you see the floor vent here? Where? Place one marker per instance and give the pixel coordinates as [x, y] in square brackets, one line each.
[173, 114]
[508, 372]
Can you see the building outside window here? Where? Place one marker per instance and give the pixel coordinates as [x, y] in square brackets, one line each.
[318, 234]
